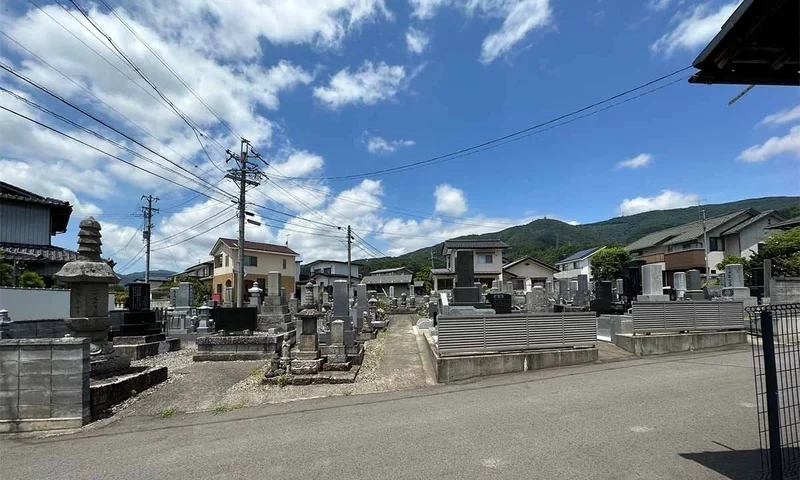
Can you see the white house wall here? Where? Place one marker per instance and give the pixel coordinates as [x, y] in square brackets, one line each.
[750, 237]
[533, 270]
[38, 303]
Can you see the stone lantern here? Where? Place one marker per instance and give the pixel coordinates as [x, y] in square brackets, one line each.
[88, 278]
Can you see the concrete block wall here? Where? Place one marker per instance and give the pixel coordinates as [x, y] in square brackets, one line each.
[44, 384]
[784, 290]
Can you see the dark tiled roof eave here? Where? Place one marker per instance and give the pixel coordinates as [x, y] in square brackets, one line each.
[259, 246]
[37, 253]
[474, 244]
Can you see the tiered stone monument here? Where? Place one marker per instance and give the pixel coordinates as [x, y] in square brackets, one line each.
[652, 284]
[88, 278]
[734, 288]
[306, 358]
[275, 308]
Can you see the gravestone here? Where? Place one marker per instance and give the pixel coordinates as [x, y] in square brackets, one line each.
[255, 297]
[273, 284]
[694, 286]
[734, 275]
[138, 296]
[276, 311]
[548, 287]
[735, 289]
[767, 276]
[173, 297]
[403, 301]
[307, 356]
[391, 291]
[5, 324]
[652, 284]
[337, 352]
[536, 300]
[603, 297]
[679, 280]
[465, 291]
[620, 284]
[138, 320]
[573, 290]
[509, 287]
[228, 296]
[361, 304]
[563, 289]
[341, 307]
[583, 290]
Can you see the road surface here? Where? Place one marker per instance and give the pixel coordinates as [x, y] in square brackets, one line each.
[687, 416]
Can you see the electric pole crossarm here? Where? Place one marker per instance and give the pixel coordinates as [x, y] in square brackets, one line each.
[148, 231]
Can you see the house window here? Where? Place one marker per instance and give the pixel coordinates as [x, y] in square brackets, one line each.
[226, 260]
[284, 264]
[716, 244]
[218, 261]
[219, 288]
[485, 259]
[445, 284]
[576, 265]
[326, 271]
[250, 261]
[519, 283]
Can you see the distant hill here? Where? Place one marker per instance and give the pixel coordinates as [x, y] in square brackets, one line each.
[551, 240]
[129, 277]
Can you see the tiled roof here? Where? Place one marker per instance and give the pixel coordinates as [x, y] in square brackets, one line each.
[788, 224]
[681, 233]
[442, 271]
[528, 257]
[475, 243]
[741, 226]
[386, 279]
[11, 192]
[580, 255]
[388, 270]
[37, 253]
[264, 247]
[340, 262]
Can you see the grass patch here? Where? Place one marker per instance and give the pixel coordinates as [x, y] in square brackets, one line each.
[227, 408]
[282, 381]
[167, 412]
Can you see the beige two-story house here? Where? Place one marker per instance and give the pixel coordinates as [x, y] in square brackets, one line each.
[259, 260]
[488, 261]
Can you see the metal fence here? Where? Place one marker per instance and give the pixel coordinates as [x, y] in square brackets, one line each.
[651, 317]
[776, 364]
[494, 333]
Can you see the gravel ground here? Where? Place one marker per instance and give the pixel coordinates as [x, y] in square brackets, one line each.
[174, 361]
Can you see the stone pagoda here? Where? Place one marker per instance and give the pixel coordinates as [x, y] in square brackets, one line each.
[88, 278]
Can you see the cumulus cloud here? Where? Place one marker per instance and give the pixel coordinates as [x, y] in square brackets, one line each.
[788, 144]
[694, 28]
[658, 5]
[663, 201]
[379, 145]
[638, 161]
[450, 200]
[784, 116]
[416, 40]
[368, 85]
[520, 17]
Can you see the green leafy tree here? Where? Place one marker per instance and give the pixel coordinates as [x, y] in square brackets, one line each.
[6, 272]
[784, 250]
[423, 274]
[120, 294]
[30, 279]
[731, 259]
[608, 263]
[202, 291]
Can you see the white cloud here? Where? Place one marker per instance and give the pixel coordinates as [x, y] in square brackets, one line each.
[368, 85]
[658, 5]
[694, 28]
[636, 162]
[663, 201]
[520, 17]
[788, 144]
[450, 200]
[784, 116]
[417, 40]
[379, 145]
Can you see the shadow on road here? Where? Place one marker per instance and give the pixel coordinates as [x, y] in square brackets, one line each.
[742, 464]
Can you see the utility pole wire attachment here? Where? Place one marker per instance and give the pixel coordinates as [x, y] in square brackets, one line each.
[147, 212]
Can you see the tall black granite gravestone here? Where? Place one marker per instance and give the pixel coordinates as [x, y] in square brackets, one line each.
[138, 319]
[465, 292]
[602, 301]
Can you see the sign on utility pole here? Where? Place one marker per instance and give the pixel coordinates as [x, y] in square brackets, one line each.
[240, 176]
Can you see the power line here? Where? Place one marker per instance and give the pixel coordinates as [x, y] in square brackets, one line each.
[55, 130]
[162, 240]
[490, 143]
[199, 180]
[196, 235]
[126, 243]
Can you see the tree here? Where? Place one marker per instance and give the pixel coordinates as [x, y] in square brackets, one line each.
[424, 275]
[202, 291]
[784, 250]
[120, 294]
[30, 279]
[731, 259]
[608, 263]
[6, 272]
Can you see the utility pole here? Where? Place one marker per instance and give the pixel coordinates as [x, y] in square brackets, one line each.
[432, 267]
[349, 268]
[148, 230]
[240, 176]
[705, 246]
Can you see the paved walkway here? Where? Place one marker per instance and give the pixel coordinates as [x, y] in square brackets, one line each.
[687, 416]
[401, 366]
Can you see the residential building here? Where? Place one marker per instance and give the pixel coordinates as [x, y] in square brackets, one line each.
[155, 281]
[526, 272]
[203, 271]
[682, 248]
[259, 260]
[401, 278]
[786, 224]
[487, 258]
[27, 223]
[579, 263]
[325, 272]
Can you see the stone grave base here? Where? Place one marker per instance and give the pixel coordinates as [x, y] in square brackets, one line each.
[102, 367]
[142, 346]
[323, 377]
[659, 343]
[364, 336]
[109, 391]
[259, 346]
[306, 367]
[402, 311]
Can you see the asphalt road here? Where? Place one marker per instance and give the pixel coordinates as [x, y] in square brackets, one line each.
[688, 416]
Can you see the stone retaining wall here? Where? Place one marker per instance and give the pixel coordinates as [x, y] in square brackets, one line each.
[44, 384]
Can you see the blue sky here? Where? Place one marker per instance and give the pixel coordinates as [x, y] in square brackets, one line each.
[354, 86]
